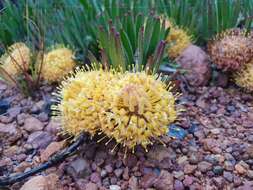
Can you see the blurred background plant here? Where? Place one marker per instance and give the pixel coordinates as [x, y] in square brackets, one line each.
[75, 22]
[206, 18]
[19, 67]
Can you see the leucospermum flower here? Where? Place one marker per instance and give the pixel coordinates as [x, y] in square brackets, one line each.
[16, 60]
[232, 49]
[139, 109]
[132, 108]
[57, 64]
[244, 77]
[179, 40]
[81, 97]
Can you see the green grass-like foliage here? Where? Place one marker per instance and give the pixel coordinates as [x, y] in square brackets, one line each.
[74, 22]
[133, 42]
[203, 18]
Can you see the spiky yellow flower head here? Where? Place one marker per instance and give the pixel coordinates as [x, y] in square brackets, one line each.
[231, 49]
[244, 77]
[139, 109]
[57, 64]
[179, 40]
[81, 97]
[16, 60]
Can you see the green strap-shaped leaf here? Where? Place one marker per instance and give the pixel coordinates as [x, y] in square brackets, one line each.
[127, 46]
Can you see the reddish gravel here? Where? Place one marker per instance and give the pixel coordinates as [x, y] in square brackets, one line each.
[217, 152]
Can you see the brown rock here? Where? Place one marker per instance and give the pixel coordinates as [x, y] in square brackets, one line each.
[148, 180]
[11, 151]
[33, 124]
[189, 169]
[49, 182]
[250, 150]
[118, 172]
[159, 153]
[204, 166]
[91, 186]
[38, 106]
[5, 162]
[9, 132]
[13, 112]
[221, 79]
[21, 118]
[240, 169]
[54, 126]
[210, 144]
[79, 168]
[39, 139]
[165, 181]
[130, 161]
[51, 149]
[22, 166]
[178, 175]
[197, 65]
[126, 173]
[182, 160]
[219, 182]
[133, 183]
[3, 86]
[8, 129]
[5, 119]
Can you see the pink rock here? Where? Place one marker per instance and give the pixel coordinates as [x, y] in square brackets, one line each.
[188, 181]
[197, 65]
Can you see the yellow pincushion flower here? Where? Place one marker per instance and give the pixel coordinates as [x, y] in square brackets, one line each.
[16, 60]
[178, 40]
[57, 64]
[244, 77]
[139, 109]
[81, 98]
[132, 108]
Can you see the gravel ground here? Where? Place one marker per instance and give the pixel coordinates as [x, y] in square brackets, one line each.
[216, 151]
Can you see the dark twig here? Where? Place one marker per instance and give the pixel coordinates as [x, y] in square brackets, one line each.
[51, 162]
